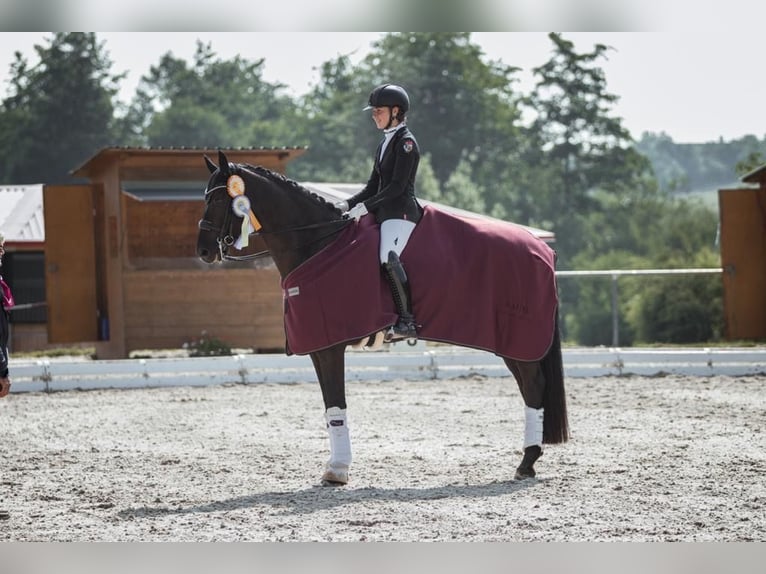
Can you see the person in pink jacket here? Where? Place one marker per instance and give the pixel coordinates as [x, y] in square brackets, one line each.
[7, 303]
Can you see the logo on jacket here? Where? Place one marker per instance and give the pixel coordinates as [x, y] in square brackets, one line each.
[407, 145]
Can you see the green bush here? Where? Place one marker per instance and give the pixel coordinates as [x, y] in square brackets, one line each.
[586, 302]
[207, 346]
[677, 309]
[588, 320]
[680, 309]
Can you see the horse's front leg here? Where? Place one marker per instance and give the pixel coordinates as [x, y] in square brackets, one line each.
[329, 366]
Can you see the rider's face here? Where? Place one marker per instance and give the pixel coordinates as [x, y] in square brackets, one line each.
[382, 116]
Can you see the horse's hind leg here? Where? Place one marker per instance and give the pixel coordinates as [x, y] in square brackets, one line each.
[531, 381]
[329, 366]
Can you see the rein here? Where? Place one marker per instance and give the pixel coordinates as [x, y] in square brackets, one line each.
[228, 240]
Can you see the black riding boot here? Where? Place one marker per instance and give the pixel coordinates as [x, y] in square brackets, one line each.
[405, 328]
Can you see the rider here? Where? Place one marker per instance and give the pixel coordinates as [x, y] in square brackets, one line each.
[390, 196]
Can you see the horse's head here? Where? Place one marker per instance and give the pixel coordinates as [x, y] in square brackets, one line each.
[297, 223]
[220, 226]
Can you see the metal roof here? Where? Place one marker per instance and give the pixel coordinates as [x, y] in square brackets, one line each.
[21, 213]
[84, 169]
[339, 191]
[758, 175]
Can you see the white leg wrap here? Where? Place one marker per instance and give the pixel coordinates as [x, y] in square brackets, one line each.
[340, 442]
[533, 427]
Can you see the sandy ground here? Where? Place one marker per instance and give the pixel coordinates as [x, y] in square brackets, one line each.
[651, 459]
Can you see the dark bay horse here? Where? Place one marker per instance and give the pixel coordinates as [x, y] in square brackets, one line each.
[296, 224]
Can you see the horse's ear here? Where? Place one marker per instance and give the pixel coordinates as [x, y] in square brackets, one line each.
[210, 165]
[223, 163]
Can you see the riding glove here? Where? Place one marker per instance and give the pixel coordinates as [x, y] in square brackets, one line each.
[358, 211]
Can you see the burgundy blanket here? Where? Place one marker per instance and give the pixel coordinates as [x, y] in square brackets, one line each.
[477, 283]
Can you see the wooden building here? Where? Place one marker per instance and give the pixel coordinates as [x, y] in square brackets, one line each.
[120, 262]
[743, 256]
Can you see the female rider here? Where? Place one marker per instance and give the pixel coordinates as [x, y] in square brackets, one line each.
[390, 196]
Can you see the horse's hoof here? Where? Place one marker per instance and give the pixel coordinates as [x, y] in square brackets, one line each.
[527, 467]
[523, 473]
[334, 478]
[330, 483]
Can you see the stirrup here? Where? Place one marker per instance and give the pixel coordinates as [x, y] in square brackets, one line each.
[402, 330]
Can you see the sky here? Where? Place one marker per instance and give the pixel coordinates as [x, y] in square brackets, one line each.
[694, 85]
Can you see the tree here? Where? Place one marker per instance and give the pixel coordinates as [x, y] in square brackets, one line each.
[572, 107]
[427, 184]
[604, 203]
[341, 137]
[463, 107]
[462, 191]
[464, 114]
[59, 112]
[583, 151]
[210, 102]
[752, 161]
[662, 233]
[700, 167]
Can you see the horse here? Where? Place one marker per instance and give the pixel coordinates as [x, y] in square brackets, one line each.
[296, 225]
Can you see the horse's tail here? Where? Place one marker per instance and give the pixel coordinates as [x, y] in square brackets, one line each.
[556, 420]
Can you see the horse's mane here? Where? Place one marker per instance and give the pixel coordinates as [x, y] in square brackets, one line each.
[290, 184]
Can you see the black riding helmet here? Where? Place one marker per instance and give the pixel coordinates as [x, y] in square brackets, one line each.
[388, 96]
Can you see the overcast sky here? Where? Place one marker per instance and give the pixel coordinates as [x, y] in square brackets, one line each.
[694, 86]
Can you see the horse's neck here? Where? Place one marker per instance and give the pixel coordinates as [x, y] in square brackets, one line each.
[289, 235]
[291, 249]
[288, 253]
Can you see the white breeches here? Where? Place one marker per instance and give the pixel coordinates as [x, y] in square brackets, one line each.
[394, 234]
[533, 427]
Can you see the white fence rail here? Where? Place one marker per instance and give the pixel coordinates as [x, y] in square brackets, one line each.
[67, 374]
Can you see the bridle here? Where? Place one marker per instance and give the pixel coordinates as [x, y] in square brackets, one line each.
[226, 241]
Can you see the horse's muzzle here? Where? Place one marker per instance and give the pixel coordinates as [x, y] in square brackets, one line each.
[205, 252]
[208, 255]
